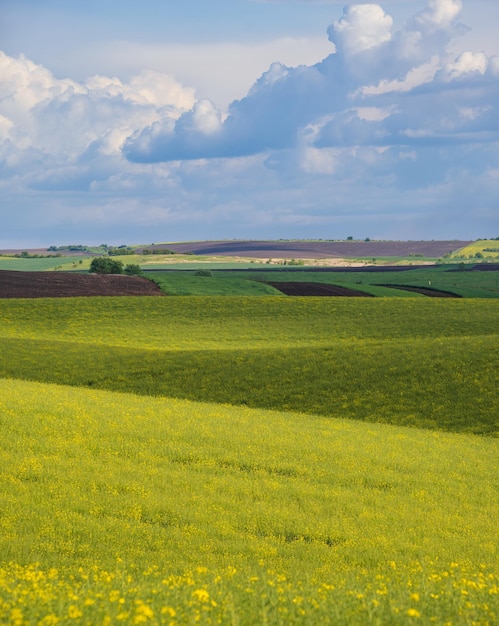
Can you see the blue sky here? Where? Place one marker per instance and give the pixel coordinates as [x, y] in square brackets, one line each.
[128, 122]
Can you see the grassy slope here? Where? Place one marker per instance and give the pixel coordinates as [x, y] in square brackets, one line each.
[240, 322]
[297, 519]
[488, 247]
[420, 362]
[187, 284]
[44, 264]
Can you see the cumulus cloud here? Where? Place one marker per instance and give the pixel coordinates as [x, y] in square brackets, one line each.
[465, 64]
[362, 27]
[337, 142]
[370, 69]
[438, 14]
[47, 117]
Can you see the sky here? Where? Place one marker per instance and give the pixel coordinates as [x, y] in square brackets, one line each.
[126, 122]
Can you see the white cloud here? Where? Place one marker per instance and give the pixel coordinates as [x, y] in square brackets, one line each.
[41, 116]
[361, 28]
[203, 118]
[383, 132]
[415, 77]
[466, 63]
[438, 14]
[146, 88]
[333, 95]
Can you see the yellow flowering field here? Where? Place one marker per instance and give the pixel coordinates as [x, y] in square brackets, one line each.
[432, 594]
[231, 460]
[489, 248]
[412, 362]
[118, 508]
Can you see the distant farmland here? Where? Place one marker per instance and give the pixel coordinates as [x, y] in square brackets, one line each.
[316, 249]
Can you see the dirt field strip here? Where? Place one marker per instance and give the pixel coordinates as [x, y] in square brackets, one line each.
[17, 284]
[317, 289]
[425, 291]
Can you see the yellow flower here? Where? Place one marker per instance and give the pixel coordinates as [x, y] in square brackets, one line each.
[50, 620]
[144, 611]
[114, 596]
[121, 617]
[413, 613]
[16, 616]
[201, 594]
[168, 610]
[74, 612]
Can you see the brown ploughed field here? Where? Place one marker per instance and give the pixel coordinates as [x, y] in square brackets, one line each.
[17, 284]
[425, 291]
[316, 289]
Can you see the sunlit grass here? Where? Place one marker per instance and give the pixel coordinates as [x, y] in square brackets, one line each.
[420, 363]
[206, 511]
[44, 264]
[188, 283]
[452, 278]
[446, 383]
[126, 508]
[489, 248]
[242, 322]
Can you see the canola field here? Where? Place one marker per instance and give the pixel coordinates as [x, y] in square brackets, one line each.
[417, 362]
[148, 476]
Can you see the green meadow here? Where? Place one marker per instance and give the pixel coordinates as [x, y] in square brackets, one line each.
[277, 460]
[44, 264]
[188, 283]
[456, 279]
[253, 283]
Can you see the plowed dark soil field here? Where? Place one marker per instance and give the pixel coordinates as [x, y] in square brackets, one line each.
[316, 289]
[16, 284]
[425, 291]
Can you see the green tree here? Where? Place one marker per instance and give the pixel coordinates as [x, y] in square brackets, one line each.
[203, 272]
[133, 269]
[105, 265]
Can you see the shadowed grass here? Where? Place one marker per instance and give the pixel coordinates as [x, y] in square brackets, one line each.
[431, 364]
[447, 384]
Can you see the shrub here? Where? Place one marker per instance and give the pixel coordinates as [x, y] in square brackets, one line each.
[105, 265]
[133, 270]
[204, 273]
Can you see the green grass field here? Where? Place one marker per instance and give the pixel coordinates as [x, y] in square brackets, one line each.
[411, 361]
[214, 460]
[237, 283]
[186, 283]
[44, 264]
[467, 283]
